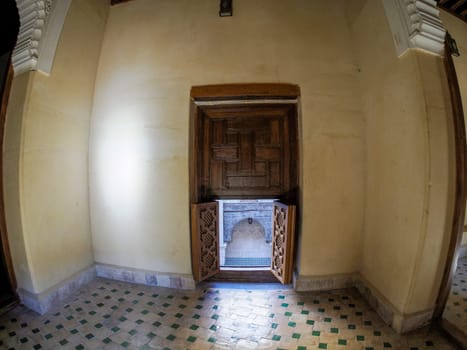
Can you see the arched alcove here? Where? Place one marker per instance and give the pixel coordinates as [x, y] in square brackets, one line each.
[249, 245]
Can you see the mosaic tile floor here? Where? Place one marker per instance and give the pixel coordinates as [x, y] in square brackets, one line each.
[116, 315]
[456, 307]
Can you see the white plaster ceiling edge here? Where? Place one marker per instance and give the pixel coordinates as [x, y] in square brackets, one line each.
[41, 22]
[415, 24]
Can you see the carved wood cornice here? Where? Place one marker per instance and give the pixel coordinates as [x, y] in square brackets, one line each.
[415, 24]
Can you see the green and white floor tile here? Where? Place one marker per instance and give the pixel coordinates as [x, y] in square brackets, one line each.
[456, 307]
[116, 315]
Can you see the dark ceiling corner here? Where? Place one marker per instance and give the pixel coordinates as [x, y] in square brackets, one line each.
[9, 25]
[116, 2]
[456, 7]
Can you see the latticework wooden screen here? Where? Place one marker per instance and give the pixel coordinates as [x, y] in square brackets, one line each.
[283, 232]
[205, 236]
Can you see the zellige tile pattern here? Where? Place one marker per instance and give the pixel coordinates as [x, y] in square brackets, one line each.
[116, 315]
[456, 307]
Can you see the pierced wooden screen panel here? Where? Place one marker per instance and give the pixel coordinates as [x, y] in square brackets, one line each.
[205, 240]
[283, 237]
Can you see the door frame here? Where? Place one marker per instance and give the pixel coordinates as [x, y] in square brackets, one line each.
[228, 94]
[7, 259]
[457, 228]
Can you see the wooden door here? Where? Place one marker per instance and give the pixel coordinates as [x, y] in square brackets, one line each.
[204, 240]
[247, 151]
[283, 238]
[243, 144]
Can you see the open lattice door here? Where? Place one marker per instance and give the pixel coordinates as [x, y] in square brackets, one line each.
[283, 237]
[205, 238]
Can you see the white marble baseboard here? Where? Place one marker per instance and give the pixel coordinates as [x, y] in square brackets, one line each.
[408, 322]
[401, 323]
[53, 297]
[328, 282]
[150, 278]
[380, 304]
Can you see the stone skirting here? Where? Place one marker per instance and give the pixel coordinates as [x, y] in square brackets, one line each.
[316, 283]
[43, 302]
[401, 323]
[53, 297]
[150, 278]
[379, 303]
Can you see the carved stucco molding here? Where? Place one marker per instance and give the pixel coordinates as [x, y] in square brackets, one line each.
[41, 22]
[415, 24]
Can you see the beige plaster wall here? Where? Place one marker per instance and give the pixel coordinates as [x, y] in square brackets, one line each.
[17, 107]
[409, 192]
[153, 52]
[46, 156]
[458, 30]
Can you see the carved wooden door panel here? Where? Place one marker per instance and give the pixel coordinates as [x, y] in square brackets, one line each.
[204, 240]
[247, 151]
[283, 237]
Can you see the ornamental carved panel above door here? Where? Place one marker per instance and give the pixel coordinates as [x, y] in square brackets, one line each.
[247, 150]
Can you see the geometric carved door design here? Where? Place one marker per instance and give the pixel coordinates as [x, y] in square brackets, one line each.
[243, 144]
[283, 237]
[205, 240]
[247, 150]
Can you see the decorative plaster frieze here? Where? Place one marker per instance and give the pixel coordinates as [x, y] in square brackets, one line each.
[32, 22]
[41, 23]
[415, 24]
[48, 6]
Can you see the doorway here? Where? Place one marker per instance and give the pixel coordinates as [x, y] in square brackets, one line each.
[244, 147]
[245, 233]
